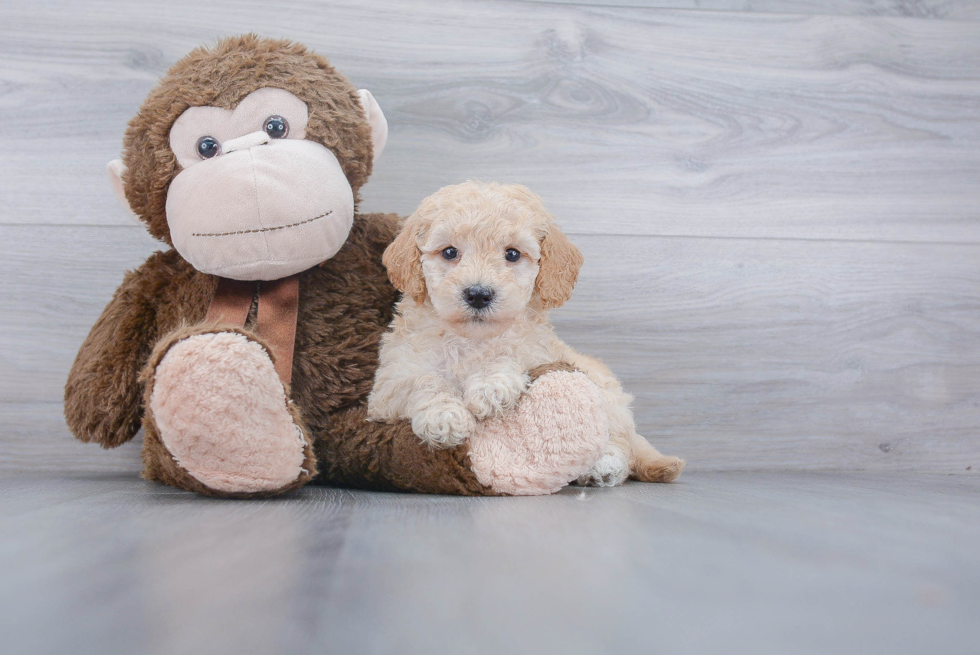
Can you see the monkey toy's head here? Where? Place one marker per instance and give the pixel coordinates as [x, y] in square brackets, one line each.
[247, 157]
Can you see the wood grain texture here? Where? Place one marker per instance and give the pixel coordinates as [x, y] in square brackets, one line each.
[944, 9]
[717, 563]
[54, 282]
[35, 439]
[779, 212]
[627, 121]
[787, 353]
[758, 354]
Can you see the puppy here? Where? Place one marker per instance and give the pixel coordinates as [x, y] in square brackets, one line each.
[480, 266]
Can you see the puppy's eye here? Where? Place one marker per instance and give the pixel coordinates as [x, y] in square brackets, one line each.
[512, 254]
[450, 254]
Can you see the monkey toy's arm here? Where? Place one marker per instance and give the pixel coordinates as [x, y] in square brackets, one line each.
[103, 394]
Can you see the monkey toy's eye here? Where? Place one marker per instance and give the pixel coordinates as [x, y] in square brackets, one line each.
[512, 254]
[450, 253]
[276, 127]
[208, 147]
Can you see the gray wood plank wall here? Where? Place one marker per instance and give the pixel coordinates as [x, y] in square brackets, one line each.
[779, 201]
[952, 10]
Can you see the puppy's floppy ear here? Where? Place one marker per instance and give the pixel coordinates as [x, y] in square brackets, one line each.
[403, 259]
[559, 266]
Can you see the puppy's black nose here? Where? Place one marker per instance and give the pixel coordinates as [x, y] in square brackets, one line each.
[478, 297]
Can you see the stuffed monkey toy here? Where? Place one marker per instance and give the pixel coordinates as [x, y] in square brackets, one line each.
[247, 350]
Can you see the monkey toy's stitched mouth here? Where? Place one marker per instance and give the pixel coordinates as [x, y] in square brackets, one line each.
[264, 229]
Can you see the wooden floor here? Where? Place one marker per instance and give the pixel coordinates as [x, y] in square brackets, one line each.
[781, 563]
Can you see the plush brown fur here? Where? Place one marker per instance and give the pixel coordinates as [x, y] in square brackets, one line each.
[103, 396]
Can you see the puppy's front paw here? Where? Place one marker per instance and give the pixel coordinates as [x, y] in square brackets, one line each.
[444, 425]
[608, 471]
[495, 395]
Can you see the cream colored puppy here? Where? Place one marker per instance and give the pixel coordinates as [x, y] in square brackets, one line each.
[480, 265]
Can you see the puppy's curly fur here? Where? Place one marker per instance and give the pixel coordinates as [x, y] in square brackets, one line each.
[480, 264]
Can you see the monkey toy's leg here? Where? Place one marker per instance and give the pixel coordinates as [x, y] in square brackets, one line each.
[218, 421]
[557, 432]
[217, 418]
[559, 429]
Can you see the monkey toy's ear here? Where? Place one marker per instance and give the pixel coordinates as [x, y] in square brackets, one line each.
[376, 118]
[116, 168]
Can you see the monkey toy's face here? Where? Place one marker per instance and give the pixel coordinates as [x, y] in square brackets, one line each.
[248, 180]
[255, 199]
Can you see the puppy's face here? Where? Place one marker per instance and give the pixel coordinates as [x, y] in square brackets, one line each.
[479, 270]
[482, 254]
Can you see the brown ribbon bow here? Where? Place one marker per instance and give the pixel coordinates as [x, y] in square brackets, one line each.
[276, 321]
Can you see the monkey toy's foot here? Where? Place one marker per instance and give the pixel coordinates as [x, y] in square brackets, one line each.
[557, 433]
[219, 420]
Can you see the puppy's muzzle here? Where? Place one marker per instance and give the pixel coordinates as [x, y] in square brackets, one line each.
[478, 297]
